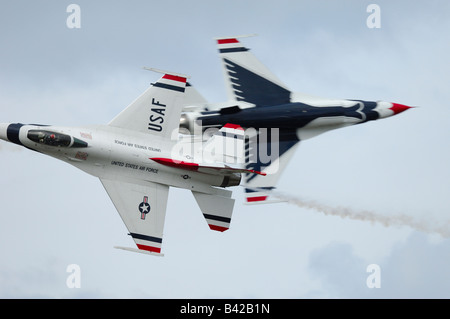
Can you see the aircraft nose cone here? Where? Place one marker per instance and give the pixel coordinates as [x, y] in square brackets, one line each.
[399, 108]
[3, 131]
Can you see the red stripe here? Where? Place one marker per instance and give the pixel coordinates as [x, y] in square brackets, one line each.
[256, 198]
[174, 78]
[174, 163]
[149, 248]
[226, 41]
[218, 228]
[256, 172]
[233, 126]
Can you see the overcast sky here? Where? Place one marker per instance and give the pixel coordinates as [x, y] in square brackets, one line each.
[53, 215]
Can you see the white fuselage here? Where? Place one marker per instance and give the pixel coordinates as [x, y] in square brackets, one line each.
[118, 154]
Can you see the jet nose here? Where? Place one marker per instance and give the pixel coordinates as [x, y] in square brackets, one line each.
[399, 108]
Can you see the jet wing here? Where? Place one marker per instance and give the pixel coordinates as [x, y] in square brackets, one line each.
[143, 210]
[247, 79]
[157, 111]
[257, 186]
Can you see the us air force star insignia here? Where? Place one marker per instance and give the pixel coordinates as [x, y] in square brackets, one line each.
[144, 207]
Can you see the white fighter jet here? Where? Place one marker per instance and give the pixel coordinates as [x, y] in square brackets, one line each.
[139, 155]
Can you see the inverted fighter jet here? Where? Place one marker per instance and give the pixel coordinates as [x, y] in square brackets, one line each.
[139, 155]
[275, 118]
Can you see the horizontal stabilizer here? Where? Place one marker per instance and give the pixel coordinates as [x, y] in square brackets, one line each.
[260, 196]
[216, 209]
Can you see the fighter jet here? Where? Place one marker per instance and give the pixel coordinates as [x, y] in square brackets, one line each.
[138, 156]
[275, 118]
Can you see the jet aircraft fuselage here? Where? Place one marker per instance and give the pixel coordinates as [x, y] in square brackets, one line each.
[299, 115]
[110, 152]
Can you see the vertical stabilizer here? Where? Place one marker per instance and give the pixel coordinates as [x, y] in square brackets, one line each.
[157, 111]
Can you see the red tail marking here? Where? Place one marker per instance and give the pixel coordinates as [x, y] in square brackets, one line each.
[227, 41]
[256, 199]
[149, 248]
[174, 78]
[217, 228]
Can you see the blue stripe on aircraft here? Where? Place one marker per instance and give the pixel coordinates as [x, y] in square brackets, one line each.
[233, 50]
[218, 218]
[145, 237]
[12, 133]
[169, 87]
[259, 189]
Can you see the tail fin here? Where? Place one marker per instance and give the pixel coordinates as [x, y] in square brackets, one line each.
[157, 111]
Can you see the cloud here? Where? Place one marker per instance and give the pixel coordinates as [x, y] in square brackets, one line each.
[340, 272]
[417, 268]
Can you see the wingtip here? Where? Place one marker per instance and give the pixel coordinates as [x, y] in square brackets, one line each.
[167, 72]
[145, 252]
[236, 37]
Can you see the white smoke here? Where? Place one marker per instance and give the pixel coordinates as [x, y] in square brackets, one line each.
[424, 225]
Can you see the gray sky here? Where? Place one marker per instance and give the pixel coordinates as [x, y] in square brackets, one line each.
[52, 215]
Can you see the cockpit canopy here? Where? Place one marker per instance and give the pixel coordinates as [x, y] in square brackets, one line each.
[54, 139]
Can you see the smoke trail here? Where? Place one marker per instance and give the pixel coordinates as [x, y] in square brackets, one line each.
[427, 226]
